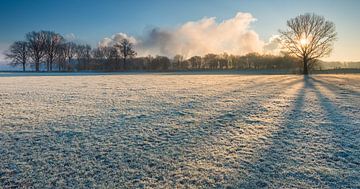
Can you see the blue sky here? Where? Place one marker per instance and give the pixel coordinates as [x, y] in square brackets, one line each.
[92, 20]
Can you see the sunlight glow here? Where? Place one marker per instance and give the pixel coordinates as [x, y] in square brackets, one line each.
[304, 42]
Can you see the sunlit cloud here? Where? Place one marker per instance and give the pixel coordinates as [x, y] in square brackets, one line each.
[207, 35]
[116, 39]
[273, 46]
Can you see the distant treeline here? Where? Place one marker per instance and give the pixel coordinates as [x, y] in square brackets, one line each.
[338, 65]
[47, 50]
[179, 63]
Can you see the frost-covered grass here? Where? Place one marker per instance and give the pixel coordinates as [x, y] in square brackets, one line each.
[191, 131]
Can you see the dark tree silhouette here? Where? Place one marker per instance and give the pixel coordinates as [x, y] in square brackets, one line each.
[52, 44]
[18, 53]
[70, 52]
[211, 61]
[126, 50]
[308, 37]
[195, 62]
[61, 56]
[83, 55]
[161, 63]
[107, 58]
[37, 45]
[178, 61]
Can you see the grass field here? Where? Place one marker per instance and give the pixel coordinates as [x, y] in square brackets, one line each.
[191, 131]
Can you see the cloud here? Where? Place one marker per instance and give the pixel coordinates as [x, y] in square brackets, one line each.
[273, 46]
[233, 36]
[3, 48]
[2, 58]
[116, 39]
[70, 37]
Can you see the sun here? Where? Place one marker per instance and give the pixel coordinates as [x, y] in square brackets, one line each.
[304, 42]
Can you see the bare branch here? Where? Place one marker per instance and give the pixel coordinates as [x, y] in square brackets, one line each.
[308, 37]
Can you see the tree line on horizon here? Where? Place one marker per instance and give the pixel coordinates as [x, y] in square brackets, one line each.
[54, 53]
[308, 37]
[51, 48]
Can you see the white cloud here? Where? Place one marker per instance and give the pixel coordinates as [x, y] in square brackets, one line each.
[70, 37]
[3, 49]
[273, 46]
[105, 42]
[115, 39]
[233, 36]
[2, 59]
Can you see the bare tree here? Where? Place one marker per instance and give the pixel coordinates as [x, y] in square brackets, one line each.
[107, 58]
[126, 49]
[211, 61]
[308, 37]
[37, 42]
[178, 61]
[83, 55]
[195, 62]
[160, 63]
[52, 44]
[87, 53]
[18, 53]
[70, 52]
[61, 56]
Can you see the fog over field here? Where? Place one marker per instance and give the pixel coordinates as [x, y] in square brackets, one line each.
[166, 130]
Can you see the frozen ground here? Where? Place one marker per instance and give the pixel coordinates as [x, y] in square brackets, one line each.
[167, 131]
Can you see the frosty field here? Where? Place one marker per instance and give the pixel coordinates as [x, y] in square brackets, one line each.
[174, 130]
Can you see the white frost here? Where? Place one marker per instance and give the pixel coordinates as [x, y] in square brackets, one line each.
[164, 130]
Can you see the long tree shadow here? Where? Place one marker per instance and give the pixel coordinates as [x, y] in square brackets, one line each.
[182, 110]
[272, 161]
[100, 160]
[335, 88]
[186, 147]
[206, 147]
[218, 124]
[344, 157]
[285, 162]
[306, 152]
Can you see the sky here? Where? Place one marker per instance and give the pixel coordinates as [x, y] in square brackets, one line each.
[170, 26]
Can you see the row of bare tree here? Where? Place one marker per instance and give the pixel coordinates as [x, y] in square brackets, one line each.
[252, 61]
[51, 48]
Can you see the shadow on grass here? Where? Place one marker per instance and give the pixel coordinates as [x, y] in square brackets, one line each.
[287, 162]
[69, 154]
[335, 88]
[345, 134]
[272, 161]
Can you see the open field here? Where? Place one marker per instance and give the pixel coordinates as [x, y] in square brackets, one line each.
[166, 131]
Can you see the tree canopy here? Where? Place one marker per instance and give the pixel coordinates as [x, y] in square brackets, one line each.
[308, 37]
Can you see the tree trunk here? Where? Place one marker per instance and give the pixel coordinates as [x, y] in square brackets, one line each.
[67, 66]
[124, 62]
[306, 70]
[23, 66]
[37, 66]
[51, 63]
